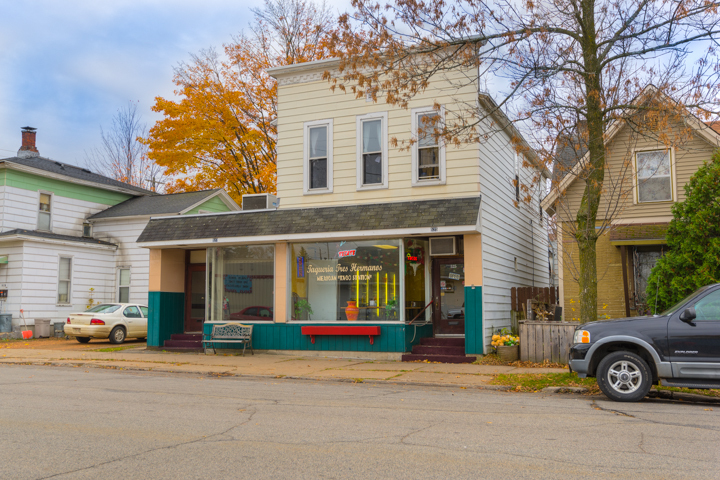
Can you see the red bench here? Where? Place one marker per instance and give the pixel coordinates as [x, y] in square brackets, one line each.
[328, 330]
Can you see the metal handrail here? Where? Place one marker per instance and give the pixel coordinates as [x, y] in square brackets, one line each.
[420, 313]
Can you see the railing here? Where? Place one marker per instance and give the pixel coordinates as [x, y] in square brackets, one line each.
[422, 322]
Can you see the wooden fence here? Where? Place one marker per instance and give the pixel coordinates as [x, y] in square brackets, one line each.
[551, 341]
[520, 295]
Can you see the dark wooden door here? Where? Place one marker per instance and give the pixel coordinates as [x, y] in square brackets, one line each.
[449, 296]
[195, 298]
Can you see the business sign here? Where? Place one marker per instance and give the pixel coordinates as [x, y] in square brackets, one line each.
[346, 253]
[238, 283]
[300, 267]
[454, 276]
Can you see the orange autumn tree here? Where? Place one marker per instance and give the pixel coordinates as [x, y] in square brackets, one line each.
[220, 131]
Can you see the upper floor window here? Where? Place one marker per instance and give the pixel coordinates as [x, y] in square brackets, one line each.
[64, 280]
[44, 212]
[318, 157]
[654, 176]
[372, 156]
[428, 154]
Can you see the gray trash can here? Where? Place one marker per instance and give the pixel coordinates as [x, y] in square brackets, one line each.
[42, 327]
[5, 322]
[59, 331]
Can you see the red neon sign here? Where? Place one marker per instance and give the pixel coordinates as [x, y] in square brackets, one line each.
[346, 253]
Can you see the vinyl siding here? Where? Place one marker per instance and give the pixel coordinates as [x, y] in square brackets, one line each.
[309, 101]
[507, 233]
[124, 233]
[619, 177]
[214, 205]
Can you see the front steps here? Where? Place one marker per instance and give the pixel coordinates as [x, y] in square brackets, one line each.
[442, 350]
[184, 342]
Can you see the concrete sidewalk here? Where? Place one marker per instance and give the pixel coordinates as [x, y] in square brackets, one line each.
[269, 365]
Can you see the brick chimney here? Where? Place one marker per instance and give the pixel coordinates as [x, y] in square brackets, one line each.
[28, 148]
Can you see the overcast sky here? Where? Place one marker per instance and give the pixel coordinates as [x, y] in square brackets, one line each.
[67, 66]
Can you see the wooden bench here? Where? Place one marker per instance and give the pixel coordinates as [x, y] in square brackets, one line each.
[232, 332]
[340, 330]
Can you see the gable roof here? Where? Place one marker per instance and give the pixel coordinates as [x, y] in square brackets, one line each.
[424, 215]
[158, 204]
[59, 169]
[707, 131]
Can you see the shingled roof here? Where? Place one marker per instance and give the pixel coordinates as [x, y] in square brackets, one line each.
[78, 173]
[54, 236]
[348, 218]
[155, 204]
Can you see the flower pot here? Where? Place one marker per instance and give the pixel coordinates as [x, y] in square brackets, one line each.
[351, 311]
[508, 354]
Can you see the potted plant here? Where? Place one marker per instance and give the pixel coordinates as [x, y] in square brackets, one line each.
[506, 345]
[302, 308]
[391, 309]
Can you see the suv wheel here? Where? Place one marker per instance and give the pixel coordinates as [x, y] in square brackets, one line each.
[624, 377]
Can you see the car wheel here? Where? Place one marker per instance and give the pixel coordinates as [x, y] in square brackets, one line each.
[117, 335]
[624, 377]
[83, 339]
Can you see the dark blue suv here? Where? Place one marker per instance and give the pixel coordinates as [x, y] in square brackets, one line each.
[679, 348]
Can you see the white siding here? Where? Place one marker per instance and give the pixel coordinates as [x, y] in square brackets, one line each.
[507, 234]
[20, 210]
[124, 234]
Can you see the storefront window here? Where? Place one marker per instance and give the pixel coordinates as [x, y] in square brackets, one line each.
[357, 280]
[242, 282]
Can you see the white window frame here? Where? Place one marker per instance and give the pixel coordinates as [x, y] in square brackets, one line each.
[636, 185]
[70, 282]
[306, 157]
[52, 207]
[119, 285]
[384, 146]
[416, 181]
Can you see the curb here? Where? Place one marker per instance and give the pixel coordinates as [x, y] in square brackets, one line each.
[564, 390]
[683, 397]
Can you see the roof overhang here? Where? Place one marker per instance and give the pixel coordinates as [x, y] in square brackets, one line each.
[54, 241]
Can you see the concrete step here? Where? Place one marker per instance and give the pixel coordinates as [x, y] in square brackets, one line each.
[444, 342]
[438, 350]
[412, 357]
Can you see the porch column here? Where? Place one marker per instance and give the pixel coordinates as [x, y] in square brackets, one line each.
[281, 283]
[166, 296]
[474, 331]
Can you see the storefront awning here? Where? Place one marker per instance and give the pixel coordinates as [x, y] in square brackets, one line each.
[424, 217]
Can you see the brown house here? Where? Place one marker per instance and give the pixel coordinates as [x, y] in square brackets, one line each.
[646, 170]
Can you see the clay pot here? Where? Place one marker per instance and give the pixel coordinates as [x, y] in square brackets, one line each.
[351, 311]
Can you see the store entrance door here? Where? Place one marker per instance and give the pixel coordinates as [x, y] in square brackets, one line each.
[449, 296]
[195, 299]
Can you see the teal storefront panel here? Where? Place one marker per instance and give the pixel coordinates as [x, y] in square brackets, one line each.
[282, 336]
[474, 342]
[166, 316]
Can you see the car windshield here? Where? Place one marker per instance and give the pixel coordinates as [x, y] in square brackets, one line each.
[682, 302]
[104, 308]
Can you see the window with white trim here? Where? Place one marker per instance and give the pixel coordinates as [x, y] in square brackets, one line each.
[318, 156]
[372, 159]
[64, 280]
[44, 212]
[123, 285]
[654, 176]
[428, 154]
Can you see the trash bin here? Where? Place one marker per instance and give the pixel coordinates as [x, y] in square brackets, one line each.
[5, 322]
[59, 332]
[42, 327]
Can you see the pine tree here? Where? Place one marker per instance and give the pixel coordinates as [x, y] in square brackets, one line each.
[693, 237]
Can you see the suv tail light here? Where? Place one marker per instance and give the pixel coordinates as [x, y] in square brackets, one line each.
[97, 321]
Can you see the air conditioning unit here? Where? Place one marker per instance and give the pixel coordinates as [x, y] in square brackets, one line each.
[442, 246]
[260, 201]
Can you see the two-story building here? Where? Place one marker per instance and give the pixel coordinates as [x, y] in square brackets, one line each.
[67, 235]
[416, 242]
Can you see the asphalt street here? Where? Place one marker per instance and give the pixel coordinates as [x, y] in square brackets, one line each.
[72, 423]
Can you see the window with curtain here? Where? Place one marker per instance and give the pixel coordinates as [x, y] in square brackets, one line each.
[318, 158]
[44, 212]
[124, 285]
[428, 148]
[64, 280]
[654, 176]
[372, 160]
